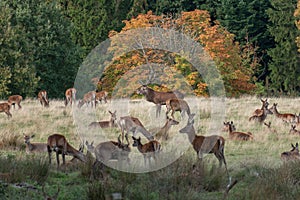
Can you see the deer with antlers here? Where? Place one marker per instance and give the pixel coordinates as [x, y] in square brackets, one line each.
[106, 124]
[34, 147]
[15, 99]
[43, 98]
[178, 105]
[150, 149]
[286, 117]
[293, 154]
[101, 96]
[59, 144]
[70, 95]
[89, 97]
[206, 144]
[158, 98]
[133, 124]
[5, 107]
[234, 135]
[163, 132]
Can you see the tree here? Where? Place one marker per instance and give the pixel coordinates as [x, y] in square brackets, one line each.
[284, 66]
[297, 15]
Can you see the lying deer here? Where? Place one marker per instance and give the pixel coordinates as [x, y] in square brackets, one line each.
[5, 107]
[234, 135]
[261, 116]
[286, 117]
[206, 144]
[87, 99]
[43, 98]
[150, 149]
[272, 130]
[15, 99]
[294, 131]
[133, 124]
[101, 96]
[163, 132]
[158, 98]
[59, 144]
[293, 154]
[106, 124]
[70, 95]
[178, 105]
[34, 147]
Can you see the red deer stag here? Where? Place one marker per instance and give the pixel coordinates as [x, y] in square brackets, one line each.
[15, 99]
[150, 149]
[234, 135]
[87, 98]
[158, 98]
[294, 131]
[259, 112]
[101, 96]
[206, 144]
[5, 107]
[34, 147]
[70, 95]
[106, 124]
[293, 154]
[178, 105]
[133, 124]
[43, 98]
[59, 144]
[163, 132]
[286, 117]
[261, 116]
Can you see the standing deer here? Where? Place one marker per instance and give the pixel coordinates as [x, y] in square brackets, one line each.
[15, 99]
[178, 105]
[59, 144]
[206, 144]
[133, 124]
[101, 96]
[293, 154]
[70, 95]
[5, 107]
[234, 135]
[106, 124]
[150, 149]
[158, 98]
[286, 117]
[259, 112]
[34, 147]
[87, 98]
[261, 116]
[43, 98]
[294, 131]
[163, 132]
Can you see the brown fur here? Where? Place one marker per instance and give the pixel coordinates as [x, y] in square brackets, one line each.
[87, 98]
[102, 95]
[106, 124]
[163, 132]
[259, 112]
[15, 99]
[177, 105]
[262, 116]
[43, 98]
[5, 107]
[34, 147]
[293, 154]
[294, 131]
[234, 135]
[286, 117]
[70, 94]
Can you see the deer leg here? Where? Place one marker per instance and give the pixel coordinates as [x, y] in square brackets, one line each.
[57, 159]
[172, 114]
[49, 154]
[19, 105]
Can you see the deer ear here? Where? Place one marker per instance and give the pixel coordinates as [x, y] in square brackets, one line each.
[33, 136]
[110, 112]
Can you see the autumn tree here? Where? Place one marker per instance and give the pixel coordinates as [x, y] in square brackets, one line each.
[297, 16]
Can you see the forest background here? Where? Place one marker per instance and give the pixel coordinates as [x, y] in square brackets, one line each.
[255, 44]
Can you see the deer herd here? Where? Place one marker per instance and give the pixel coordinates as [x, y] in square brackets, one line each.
[174, 102]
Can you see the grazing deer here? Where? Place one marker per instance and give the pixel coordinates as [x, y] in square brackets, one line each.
[294, 131]
[34, 147]
[261, 116]
[293, 154]
[134, 125]
[149, 149]
[59, 144]
[106, 124]
[163, 132]
[5, 107]
[259, 112]
[87, 98]
[70, 96]
[206, 144]
[269, 127]
[234, 135]
[178, 105]
[158, 98]
[286, 117]
[99, 96]
[43, 98]
[15, 99]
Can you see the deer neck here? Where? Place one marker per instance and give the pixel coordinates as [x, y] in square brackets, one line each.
[29, 146]
[191, 134]
[165, 128]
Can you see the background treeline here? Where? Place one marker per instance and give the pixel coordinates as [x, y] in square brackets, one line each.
[43, 43]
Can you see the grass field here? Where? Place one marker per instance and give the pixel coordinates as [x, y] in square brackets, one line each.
[256, 164]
